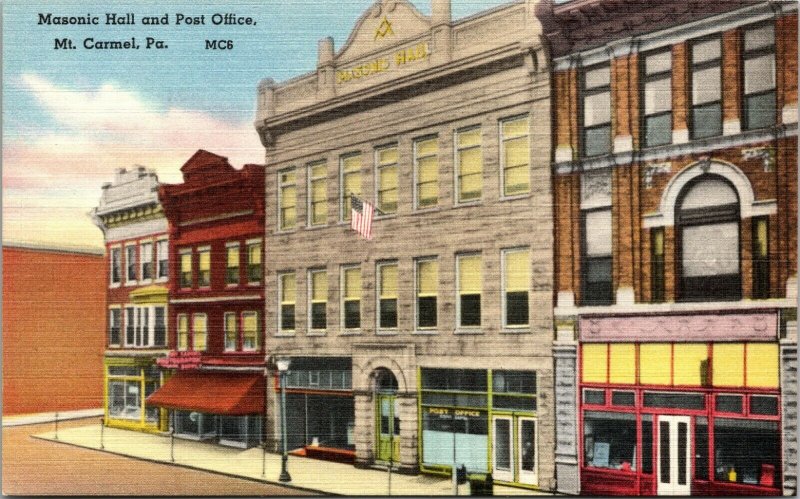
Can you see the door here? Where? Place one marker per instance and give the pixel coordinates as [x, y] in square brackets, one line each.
[674, 455]
[502, 449]
[388, 428]
[526, 450]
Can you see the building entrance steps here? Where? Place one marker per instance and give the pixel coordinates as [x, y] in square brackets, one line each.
[309, 474]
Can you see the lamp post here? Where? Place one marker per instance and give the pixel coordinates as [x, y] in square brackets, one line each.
[283, 368]
[102, 427]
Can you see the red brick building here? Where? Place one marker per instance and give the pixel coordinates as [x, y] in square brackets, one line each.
[675, 184]
[53, 329]
[216, 301]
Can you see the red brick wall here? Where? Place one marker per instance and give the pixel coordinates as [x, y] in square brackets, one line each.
[53, 330]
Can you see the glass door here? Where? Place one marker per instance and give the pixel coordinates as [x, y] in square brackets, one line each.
[674, 458]
[388, 428]
[526, 450]
[502, 449]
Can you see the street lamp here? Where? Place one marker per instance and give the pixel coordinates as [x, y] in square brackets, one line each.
[283, 368]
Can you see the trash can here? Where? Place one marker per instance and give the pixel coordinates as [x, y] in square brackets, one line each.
[481, 485]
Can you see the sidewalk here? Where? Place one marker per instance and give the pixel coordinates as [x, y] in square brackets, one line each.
[309, 474]
[44, 417]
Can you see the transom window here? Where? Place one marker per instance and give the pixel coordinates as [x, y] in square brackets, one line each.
[706, 69]
[426, 172]
[657, 76]
[597, 111]
[386, 159]
[469, 165]
[759, 77]
[515, 156]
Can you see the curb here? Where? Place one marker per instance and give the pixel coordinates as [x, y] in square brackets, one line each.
[49, 417]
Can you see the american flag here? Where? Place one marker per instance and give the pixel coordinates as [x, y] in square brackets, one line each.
[361, 213]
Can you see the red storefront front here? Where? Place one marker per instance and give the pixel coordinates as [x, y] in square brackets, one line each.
[680, 413]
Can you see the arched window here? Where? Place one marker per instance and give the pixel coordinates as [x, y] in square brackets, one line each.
[708, 240]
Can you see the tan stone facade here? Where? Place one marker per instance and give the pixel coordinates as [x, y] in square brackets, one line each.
[370, 95]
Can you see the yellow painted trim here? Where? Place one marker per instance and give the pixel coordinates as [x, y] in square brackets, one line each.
[124, 424]
[149, 295]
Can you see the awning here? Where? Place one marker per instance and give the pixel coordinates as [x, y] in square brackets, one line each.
[232, 394]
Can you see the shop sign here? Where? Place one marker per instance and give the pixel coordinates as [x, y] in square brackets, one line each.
[180, 360]
[445, 411]
[402, 57]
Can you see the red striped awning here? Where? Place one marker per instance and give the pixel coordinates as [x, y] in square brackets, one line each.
[232, 394]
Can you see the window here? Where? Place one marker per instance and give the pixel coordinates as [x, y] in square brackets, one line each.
[250, 336]
[162, 257]
[124, 399]
[199, 332]
[319, 299]
[351, 297]
[145, 326]
[514, 390]
[386, 160]
[232, 264]
[657, 77]
[287, 194]
[597, 288]
[186, 268]
[597, 111]
[516, 282]
[515, 155]
[759, 77]
[469, 290]
[761, 257]
[708, 228]
[426, 172]
[130, 326]
[427, 289]
[183, 332]
[288, 294]
[706, 74]
[747, 451]
[254, 262]
[114, 326]
[146, 251]
[387, 296]
[318, 193]
[657, 264]
[130, 260]
[469, 165]
[231, 334]
[204, 267]
[350, 168]
[116, 265]
[609, 440]
[160, 326]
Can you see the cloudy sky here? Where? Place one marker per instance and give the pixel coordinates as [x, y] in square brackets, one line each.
[71, 117]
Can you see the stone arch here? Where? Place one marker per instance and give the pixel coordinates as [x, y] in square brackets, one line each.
[366, 375]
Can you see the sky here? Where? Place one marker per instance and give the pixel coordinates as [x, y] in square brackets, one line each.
[72, 117]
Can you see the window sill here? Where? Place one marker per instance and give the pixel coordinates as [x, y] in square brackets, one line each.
[508, 330]
[427, 209]
[426, 332]
[516, 197]
[386, 332]
[254, 283]
[476, 202]
[315, 227]
[280, 232]
[387, 216]
[114, 285]
[130, 283]
[351, 332]
[284, 334]
[468, 331]
[162, 279]
[317, 333]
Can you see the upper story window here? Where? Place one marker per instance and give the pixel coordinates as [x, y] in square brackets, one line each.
[251, 339]
[318, 193]
[231, 331]
[254, 262]
[183, 332]
[706, 79]
[350, 183]
[427, 290]
[162, 257]
[204, 267]
[469, 165]
[468, 306]
[351, 297]
[116, 265]
[319, 299]
[657, 77]
[199, 332]
[657, 264]
[145, 326]
[287, 199]
[759, 77]
[386, 159]
[287, 290]
[761, 257]
[114, 326]
[596, 285]
[426, 172]
[516, 283]
[146, 254]
[596, 103]
[708, 234]
[515, 156]
[186, 268]
[130, 261]
[387, 296]
[232, 264]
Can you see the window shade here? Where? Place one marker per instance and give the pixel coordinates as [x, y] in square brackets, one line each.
[352, 284]
[469, 272]
[517, 271]
[288, 288]
[427, 278]
[319, 286]
[388, 281]
[710, 250]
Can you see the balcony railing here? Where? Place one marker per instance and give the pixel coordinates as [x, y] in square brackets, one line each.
[320, 379]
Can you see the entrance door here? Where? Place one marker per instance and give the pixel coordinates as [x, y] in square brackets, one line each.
[502, 448]
[674, 455]
[388, 428]
[526, 450]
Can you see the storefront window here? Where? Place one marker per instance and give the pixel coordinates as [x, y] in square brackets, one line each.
[322, 420]
[124, 399]
[467, 430]
[514, 390]
[609, 440]
[647, 444]
[747, 451]
[764, 405]
[151, 413]
[701, 448]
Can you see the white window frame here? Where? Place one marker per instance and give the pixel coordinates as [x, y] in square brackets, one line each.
[138, 313]
[342, 290]
[502, 158]
[258, 330]
[310, 300]
[199, 250]
[415, 173]
[459, 327]
[457, 165]
[131, 282]
[377, 177]
[342, 207]
[161, 258]
[309, 192]
[378, 269]
[111, 282]
[503, 298]
[117, 308]
[417, 328]
[281, 330]
[192, 332]
[249, 243]
[178, 332]
[238, 246]
[151, 244]
[281, 185]
[236, 328]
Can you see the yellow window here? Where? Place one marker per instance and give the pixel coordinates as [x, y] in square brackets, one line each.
[763, 365]
[351, 182]
[427, 278]
[205, 261]
[250, 336]
[623, 363]
[233, 256]
[387, 179]
[690, 364]
[319, 193]
[288, 201]
[470, 165]
[186, 262]
[594, 362]
[518, 270]
[388, 281]
[728, 364]
[254, 254]
[469, 138]
[516, 157]
[427, 163]
[655, 363]
[319, 287]
[183, 332]
[230, 331]
[469, 275]
[288, 289]
[199, 331]
[352, 284]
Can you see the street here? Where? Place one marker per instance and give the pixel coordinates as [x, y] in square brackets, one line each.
[37, 467]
